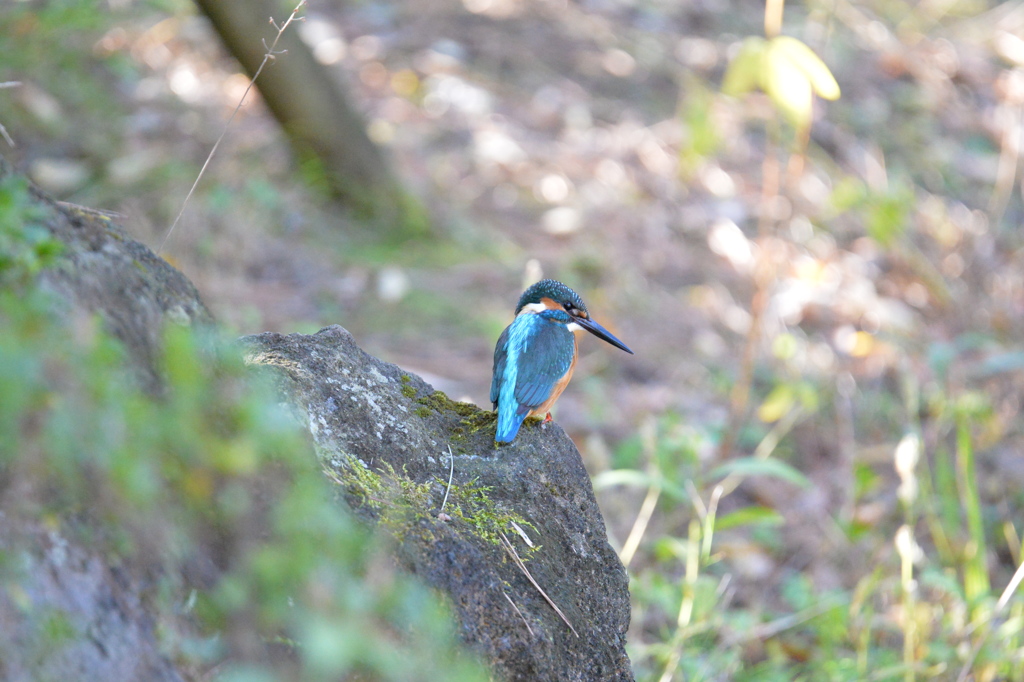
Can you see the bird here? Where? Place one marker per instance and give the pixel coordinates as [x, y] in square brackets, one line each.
[535, 356]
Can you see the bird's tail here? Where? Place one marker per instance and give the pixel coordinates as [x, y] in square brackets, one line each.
[509, 421]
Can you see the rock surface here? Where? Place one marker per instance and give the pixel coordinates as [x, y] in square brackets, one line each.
[363, 412]
[360, 411]
[133, 290]
[66, 613]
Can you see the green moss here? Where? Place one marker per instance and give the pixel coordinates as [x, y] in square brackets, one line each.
[408, 391]
[472, 418]
[84, 212]
[481, 419]
[408, 509]
[56, 629]
[439, 402]
[470, 503]
[398, 502]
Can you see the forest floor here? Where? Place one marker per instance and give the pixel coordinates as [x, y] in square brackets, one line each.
[796, 314]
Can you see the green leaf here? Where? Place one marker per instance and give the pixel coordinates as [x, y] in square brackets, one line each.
[778, 404]
[702, 139]
[748, 516]
[744, 72]
[818, 76]
[639, 479]
[887, 217]
[627, 477]
[849, 192]
[752, 466]
[787, 85]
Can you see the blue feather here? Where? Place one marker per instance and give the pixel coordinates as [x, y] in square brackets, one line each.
[532, 355]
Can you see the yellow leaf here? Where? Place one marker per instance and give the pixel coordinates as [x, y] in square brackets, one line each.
[778, 403]
[803, 57]
[788, 87]
[744, 72]
[784, 346]
[863, 344]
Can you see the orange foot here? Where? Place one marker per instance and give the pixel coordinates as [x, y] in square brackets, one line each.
[547, 418]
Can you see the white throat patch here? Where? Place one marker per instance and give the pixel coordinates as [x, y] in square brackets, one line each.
[533, 308]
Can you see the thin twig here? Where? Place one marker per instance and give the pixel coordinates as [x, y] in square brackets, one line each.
[3, 130]
[522, 567]
[1011, 587]
[79, 207]
[649, 442]
[525, 622]
[779, 625]
[766, 447]
[643, 517]
[763, 276]
[522, 534]
[451, 472]
[268, 56]
[1004, 599]
[1009, 157]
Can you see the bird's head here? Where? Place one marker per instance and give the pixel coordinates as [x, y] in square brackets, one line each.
[549, 294]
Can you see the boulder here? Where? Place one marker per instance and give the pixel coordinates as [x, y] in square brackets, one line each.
[519, 545]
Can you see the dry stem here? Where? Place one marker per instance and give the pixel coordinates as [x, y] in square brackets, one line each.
[269, 55]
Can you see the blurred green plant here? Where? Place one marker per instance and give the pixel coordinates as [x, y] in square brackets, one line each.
[790, 73]
[885, 212]
[926, 610]
[48, 46]
[785, 69]
[212, 470]
[702, 139]
[675, 468]
[26, 247]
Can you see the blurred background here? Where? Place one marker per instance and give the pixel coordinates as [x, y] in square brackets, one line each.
[812, 466]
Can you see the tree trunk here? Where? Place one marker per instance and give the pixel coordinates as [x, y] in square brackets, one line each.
[309, 102]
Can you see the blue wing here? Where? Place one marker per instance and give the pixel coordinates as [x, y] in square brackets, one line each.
[500, 353]
[532, 355]
[546, 360]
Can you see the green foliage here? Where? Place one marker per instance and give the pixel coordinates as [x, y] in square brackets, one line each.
[924, 612]
[786, 397]
[51, 43]
[26, 247]
[212, 470]
[753, 466]
[702, 139]
[787, 70]
[885, 213]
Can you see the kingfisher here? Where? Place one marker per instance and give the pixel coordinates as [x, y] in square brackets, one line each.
[536, 354]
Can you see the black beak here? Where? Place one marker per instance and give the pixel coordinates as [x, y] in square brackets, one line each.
[601, 333]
